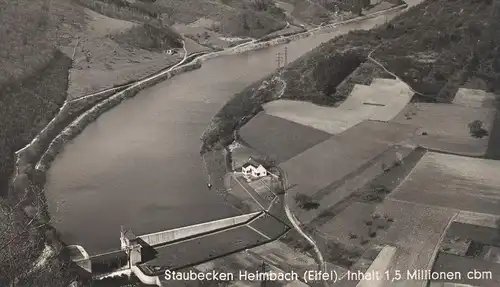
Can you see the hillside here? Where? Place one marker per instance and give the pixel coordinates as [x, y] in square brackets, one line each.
[54, 50]
[436, 47]
[33, 74]
[246, 18]
[427, 47]
[316, 12]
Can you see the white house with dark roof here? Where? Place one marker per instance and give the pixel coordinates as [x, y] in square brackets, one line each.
[254, 169]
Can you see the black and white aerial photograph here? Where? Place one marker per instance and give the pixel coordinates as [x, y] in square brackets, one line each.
[250, 143]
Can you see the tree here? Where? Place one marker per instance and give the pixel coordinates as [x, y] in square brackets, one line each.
[261, 5]
[23, 241]
[245, 23]
[306, 202]
[476, 129]
[357, 7]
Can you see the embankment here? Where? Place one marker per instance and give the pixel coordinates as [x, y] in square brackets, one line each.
[32, 152]
[93, 113]
[173, 235]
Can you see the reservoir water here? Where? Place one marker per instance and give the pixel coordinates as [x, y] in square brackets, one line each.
[138, 165]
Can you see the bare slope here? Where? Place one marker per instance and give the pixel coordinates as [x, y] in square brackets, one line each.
[111, 52]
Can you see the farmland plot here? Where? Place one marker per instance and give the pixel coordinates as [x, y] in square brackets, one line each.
[278, 138]
[350, 226]
[474, 98]
[451, 181]
[452, 263]
[381, 101]
[341, 155]
[416, 233]
[332, 195]
[445, 127]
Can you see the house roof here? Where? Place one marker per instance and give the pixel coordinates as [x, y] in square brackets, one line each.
[252, 162]
[247, 165]
[260, 167]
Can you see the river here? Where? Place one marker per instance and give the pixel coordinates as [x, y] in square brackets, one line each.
[138, 165]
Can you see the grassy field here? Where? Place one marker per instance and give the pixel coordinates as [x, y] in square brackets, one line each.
[382, 101]
[348, 226]
[449, 133]
[360, 186]
[416, 232]
[339, 158]
[354, 224]
[309, 11]
[279, 139]
[216, 168]
[452, 181]
[363, 75]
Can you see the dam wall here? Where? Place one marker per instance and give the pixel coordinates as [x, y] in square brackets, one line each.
[172, 235]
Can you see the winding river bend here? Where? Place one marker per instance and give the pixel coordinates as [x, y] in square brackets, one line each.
[138, 165]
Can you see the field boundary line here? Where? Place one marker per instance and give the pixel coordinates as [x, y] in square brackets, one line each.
[258, 232]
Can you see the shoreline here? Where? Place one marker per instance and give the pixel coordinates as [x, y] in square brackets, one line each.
[74, 116]
[95, 109]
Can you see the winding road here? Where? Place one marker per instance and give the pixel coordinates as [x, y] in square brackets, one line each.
[296, 223]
